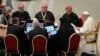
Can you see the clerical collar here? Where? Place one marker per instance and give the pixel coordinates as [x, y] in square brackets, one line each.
[43, 15]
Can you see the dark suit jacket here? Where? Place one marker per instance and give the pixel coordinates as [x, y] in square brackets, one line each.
[19, 33]
[38, 31]
[22, 16]
[64, 33]
[72, 18]
[49, 16]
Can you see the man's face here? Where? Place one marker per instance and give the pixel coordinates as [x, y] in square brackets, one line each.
[44, 8]
[21, 8]
[84, 17]
[68, 10]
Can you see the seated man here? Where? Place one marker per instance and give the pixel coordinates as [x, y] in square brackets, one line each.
[70, 15]
[5, 17]
[21, 13]
[45, 15]
[88, 26]
[19, 33]
[37, 30]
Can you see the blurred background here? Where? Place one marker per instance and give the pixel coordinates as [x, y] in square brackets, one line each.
[58, 6]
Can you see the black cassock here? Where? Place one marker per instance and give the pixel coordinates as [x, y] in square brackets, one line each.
[48, 15]
[72, 18]
[63, 34]
[23, 16]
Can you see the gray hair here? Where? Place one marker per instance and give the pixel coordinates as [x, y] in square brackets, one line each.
[35, 22]
[6, 9]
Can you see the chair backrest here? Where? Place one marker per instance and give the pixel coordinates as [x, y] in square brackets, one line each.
[11, 44]
[39, 44]
[80, 22]
[73, 43]
[98, 39]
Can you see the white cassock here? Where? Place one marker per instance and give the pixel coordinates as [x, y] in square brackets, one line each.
[88, 26]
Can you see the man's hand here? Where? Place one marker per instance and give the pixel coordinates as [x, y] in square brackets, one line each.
[47, 21]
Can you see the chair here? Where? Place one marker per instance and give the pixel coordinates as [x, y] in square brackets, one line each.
[80, 24]
[92, 42]
[11, 44]
[39, 44]
[73, 44]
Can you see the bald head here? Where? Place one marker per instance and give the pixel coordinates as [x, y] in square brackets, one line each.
[68, 9]
[20, 6]
[44, 7]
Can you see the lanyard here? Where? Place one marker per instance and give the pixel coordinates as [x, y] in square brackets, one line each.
[44, 16]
